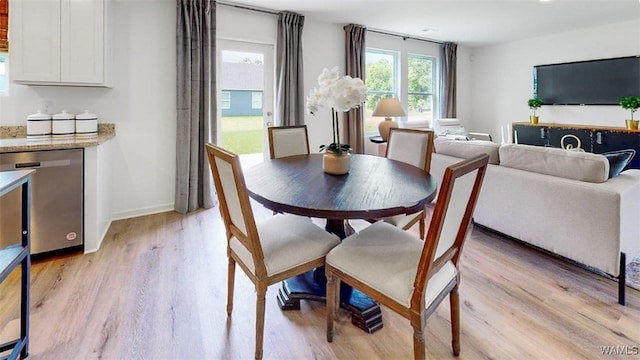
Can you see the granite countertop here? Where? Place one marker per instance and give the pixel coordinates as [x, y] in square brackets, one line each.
[13, 139]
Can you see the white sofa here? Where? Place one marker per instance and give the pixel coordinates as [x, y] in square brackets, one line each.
[558, 200]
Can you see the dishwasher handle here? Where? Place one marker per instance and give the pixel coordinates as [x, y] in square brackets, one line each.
[28, 165]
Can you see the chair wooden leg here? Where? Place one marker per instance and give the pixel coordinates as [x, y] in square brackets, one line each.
[331, 302]
[454, 300]
[260, 303]
[231, 274]
[418, 343]
[422, 223]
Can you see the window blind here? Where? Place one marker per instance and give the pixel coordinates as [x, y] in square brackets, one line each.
[4, 25]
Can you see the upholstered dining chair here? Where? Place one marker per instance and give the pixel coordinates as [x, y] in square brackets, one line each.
[268, 252]
[413, 147]
[408, 275]
[288, 141]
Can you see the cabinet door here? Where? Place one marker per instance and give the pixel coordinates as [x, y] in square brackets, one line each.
[605, 141]
[531, 135]
[35, 40]
[584, 135]
[82, 41]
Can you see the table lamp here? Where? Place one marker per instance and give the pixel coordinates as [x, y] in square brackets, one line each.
[387, 108]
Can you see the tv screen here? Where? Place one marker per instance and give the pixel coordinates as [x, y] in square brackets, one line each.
[595, 82]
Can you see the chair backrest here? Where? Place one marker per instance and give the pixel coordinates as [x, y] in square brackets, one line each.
[235, 207]
[450, 222]
[411, 146]
[288, 141]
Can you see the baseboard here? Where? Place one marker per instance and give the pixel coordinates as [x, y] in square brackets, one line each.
[142, 212]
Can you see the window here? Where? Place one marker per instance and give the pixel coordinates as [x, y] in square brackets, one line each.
[420, 71]
[4, 74]
[256, 99]
[381, 78]
[226, 100]
[406, 76]
[4, 47]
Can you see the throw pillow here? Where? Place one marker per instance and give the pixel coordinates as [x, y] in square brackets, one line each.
[467, 149]
[568, 164]
[618, 160]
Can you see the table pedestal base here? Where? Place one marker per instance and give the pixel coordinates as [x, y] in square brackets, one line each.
[365, 313]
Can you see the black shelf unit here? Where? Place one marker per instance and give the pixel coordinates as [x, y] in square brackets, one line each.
[595, 139]
[18, 255]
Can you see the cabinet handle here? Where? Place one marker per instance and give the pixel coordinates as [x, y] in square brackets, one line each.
[543, 133]
[599, 138]
[28, 165]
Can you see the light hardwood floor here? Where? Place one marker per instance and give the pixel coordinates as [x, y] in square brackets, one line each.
[157, 290]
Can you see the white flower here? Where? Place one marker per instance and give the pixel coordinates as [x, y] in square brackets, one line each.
[313, 101]
[340, 93]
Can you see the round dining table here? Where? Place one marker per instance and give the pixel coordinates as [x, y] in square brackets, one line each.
[375, 187]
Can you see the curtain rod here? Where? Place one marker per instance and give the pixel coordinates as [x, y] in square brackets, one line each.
[404, 37]
[243, 7]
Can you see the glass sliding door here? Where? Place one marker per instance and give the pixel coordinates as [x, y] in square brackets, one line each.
[245, 98]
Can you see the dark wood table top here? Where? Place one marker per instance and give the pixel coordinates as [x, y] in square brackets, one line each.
[375, 187]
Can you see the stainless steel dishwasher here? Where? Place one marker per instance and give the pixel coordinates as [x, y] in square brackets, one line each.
[57, 200]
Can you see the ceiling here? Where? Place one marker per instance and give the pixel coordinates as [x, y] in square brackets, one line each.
[468, 22]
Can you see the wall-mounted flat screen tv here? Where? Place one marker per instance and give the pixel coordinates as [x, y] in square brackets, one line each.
[594, 82]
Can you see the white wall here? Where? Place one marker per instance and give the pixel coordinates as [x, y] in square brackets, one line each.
[141, 98]
[410, 46]
[323, 46]
[141, 102]
[502, 76]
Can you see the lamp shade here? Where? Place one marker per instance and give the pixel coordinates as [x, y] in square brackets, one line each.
[388, 107]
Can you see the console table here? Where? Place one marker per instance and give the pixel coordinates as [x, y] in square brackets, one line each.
[18, 254]
[595, 139]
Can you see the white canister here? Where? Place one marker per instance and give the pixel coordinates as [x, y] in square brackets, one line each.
[86, 125]
[63, 125]
[39, 126]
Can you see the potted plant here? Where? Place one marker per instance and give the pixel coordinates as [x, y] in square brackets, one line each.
[534, 104]
[631, 103]
[341, 93]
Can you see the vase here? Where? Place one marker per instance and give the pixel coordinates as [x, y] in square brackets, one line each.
[632, 124]
[336, 164]
[385, 126]
[534, 119]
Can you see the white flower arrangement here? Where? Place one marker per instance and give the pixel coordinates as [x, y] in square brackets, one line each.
[341, 93]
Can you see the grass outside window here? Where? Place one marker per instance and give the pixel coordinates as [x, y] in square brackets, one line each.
[242, 134]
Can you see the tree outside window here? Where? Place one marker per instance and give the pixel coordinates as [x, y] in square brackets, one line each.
[420, 88]
[381, 78]
[410, 79]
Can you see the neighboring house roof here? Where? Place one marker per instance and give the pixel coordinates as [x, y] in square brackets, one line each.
[242, 76]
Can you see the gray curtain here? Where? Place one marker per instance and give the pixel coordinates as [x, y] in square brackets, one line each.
[355, 51]
[196, 102]
[448, 58]
[289, 74]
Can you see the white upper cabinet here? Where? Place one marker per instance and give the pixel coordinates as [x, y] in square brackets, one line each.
[57, 42]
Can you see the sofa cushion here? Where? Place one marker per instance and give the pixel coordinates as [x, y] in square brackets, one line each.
[569, 164]
[618, 160]
[467, 149]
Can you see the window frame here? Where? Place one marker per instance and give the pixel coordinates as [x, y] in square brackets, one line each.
[4, 90]
[395, 84]
[406, 49]
[434, 62]
[223, 100]
[254, 100]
